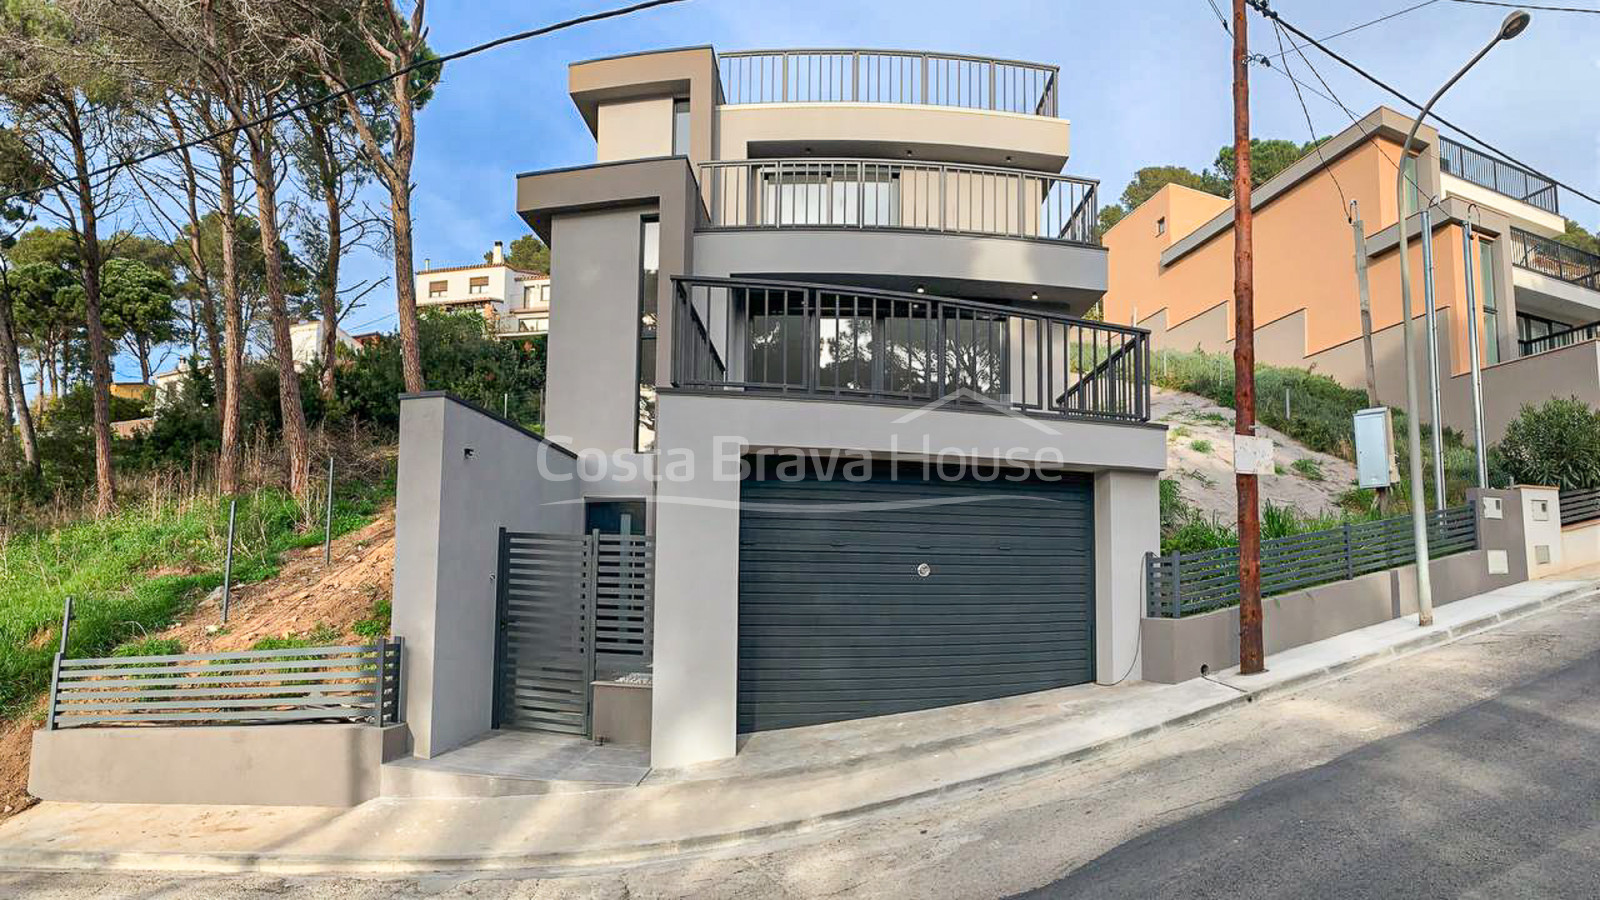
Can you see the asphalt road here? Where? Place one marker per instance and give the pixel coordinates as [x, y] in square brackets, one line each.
[1472, 769]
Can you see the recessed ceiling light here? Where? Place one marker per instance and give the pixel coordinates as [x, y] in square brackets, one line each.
[1033, 296]
[921, 289]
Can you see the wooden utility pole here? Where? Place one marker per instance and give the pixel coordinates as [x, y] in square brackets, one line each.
[1251, 652]
[1366, 303]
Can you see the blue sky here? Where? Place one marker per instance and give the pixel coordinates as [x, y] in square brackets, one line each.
[1143, 82]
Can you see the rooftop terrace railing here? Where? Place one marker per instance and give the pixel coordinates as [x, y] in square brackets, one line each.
[888, 195]
[888, 76]
[789, 339]
[1497, 175]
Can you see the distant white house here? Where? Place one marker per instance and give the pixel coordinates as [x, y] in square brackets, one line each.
[305, 343]
[515, 300]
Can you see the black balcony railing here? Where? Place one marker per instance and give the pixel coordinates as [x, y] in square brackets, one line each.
[1555, 259]
[888, 76]
[882, 194]
[1497, 175]
[1555, 340]
[791, 339]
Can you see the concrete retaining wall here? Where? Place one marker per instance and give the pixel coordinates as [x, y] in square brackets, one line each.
[1173, 650]
[260, 765]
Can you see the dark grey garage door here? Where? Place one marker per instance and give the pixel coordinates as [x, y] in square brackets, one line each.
[908, 592]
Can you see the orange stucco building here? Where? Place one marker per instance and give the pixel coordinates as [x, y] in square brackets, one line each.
[1171, 270]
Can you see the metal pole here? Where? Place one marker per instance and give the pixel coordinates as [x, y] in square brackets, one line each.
[505, 405]
[327, 527]
[1251, 647]
[1288, 408]
[1513, 25]
[227, 563]
[1366, 303]
[1477, 368]
[1430, 314]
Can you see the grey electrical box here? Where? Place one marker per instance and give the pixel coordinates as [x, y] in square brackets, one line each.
[1376, 466]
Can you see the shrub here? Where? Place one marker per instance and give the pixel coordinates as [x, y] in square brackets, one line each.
[1556, 444]
[376, 627]
[1308, 468]
[1200, 446]
[150, 646]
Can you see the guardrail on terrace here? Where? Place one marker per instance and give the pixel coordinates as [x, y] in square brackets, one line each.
[312, 684]
[1497, 175]
[1183, 584]
[890, 195]
[1555, 340]
[1580, 506]
[888, 76]
[790, 339]
[1551, 257]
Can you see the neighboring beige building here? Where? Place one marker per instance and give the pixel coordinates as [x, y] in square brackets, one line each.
[516, 301]
[305, 341]
[1172, 272]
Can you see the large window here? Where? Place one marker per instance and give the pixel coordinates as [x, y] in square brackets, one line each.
[1413, 193]
[437, 289]
[680, 128]
[649, 281]
[479, 285]
[824, 194]
[1487, 302]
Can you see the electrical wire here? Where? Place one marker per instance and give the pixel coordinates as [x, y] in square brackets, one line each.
[1265, 10]
[1571, 9]
[354, 89]
[1354, 28]
[1316, 143]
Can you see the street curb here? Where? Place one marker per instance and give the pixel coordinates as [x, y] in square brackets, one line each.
[567, 862]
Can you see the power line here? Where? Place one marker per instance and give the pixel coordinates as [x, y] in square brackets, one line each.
[1354, 28]
[355, 89]
[1316, 144]
[1262, 8]
[1221, 19]
[1571, 9]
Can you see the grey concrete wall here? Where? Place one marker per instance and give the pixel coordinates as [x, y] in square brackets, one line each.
[592, 369]
[1175, 649]
[464, 474]
[259, 765]
[697, 528]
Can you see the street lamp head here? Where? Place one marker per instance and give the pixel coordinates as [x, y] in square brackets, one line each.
[1515, 24]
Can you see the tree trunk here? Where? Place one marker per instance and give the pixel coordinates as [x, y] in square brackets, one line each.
[11, 360]
[294, 419]
[197, 259]
[406, 286]
[99, 349]
[232, 365]
[329, 287]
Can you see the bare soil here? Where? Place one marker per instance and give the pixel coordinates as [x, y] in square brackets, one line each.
[305, 596]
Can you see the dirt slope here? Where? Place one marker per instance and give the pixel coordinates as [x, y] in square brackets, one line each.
[304, 597]
[1200, 457]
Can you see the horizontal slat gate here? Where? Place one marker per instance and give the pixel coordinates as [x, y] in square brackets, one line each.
[566, 601]
[836, 621]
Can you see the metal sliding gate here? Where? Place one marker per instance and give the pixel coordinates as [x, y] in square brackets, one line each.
[570, 608]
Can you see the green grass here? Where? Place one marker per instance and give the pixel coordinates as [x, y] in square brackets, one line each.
[377, 626]
[1308, 468]
[111, 569]
[1200, 446]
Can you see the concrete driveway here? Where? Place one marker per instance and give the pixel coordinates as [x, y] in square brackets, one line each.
[1465, 770]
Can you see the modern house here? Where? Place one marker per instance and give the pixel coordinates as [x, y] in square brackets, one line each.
[1537, 300]
[516, 301]
[779, 263]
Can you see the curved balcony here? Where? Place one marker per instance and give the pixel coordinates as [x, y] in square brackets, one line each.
[888, 76]
[886, 195]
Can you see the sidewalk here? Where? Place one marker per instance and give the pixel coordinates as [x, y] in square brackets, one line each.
[783, 783]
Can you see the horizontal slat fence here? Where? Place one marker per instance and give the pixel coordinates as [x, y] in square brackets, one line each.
[1183, 584]
[310, 684]
[1580, 506]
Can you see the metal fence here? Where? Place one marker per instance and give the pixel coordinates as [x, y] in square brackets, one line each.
[1551, 257]
[888, 76]
[1497, 175]
[854, 344]
[311, 684]
[1555, 340]
[1182, 584]
[882, 194]
[1580, 506]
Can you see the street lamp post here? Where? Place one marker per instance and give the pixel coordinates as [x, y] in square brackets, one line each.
[1513, 25]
